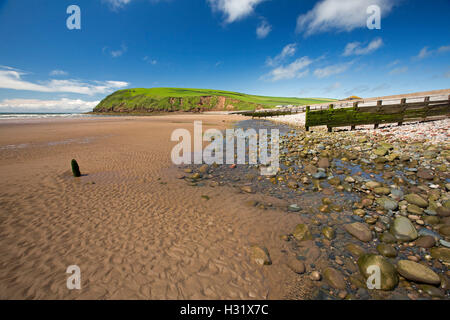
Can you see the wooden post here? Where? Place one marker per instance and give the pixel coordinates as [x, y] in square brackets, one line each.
[380, 106]
[426, 102]
[306, 117]
[403, 103]
[355, 109]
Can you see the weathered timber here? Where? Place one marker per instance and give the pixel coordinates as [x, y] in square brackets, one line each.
[379, 114]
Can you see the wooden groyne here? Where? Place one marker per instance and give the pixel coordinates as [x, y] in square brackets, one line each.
[380, 113]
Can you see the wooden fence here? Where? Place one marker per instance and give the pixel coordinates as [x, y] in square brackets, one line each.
[378, 114]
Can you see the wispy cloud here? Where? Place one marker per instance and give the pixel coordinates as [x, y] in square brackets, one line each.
[332, 87]
[234, 10]
[263, 29]
[150, 60]
[294, 70]
[12, 79]
[331, 70]
[393, 63]
[339, 15]
[58, 73]
[116, 4]
[398, 70]
[35, 105]
[288, 51]
[444, 49]
[356, 48]
[425, 52]
[119, 52]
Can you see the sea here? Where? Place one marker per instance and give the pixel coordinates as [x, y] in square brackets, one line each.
[26, 116]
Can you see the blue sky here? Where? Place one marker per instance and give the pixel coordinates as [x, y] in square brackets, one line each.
[269, 47]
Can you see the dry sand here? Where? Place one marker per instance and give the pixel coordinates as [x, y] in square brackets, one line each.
[133, 228]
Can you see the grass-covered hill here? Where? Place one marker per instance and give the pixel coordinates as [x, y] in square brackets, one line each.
[178, 99]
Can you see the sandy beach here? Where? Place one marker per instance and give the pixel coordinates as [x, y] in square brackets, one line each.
[132, 227]
[140, 227]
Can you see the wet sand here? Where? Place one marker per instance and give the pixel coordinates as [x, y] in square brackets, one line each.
[134, 229]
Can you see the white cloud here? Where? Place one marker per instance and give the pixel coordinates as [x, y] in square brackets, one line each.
[293, 70]
[393, 63]
[12, 79]
[444, 49]
[117, 4]
[356, 48]
[288, 51]
[234, 10]
[424, 52]
[340, 15]
[263, 29]
[333, 87]
[119, 52]
[35, 105]
[58, 73]
[150, 60]
[399, 70]
[331, 70]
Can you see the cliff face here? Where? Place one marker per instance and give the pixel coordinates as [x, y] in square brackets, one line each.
[140, 104]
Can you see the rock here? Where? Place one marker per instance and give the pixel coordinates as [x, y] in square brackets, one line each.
[319, 175]
[310, 169]
[247, 189]
[204, 168]
[302, 232]
[432, 220]
[335, 181]
[196, 176]
[426, 242]
[359, 231]
[387, 250]
[417, 272]
[443, 212]
[417, 200]
[382, 190]
[294, 208]
[292, 184]
[296, 266]
[425, 174]
[373, 184]
[323, 163]
[387, 203]
[412, 208]
[315, 276]
[403, 229]
[349, 179]
[442, 254]
[397, 194]
[389, 276]
[334, 278]
[445, 231]
[329, 233]
[432, 291]
[355, 250]
[428, 232]
[380, 151]
[386, 145]
[260, 255]
[387, 237]
[444, 243]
